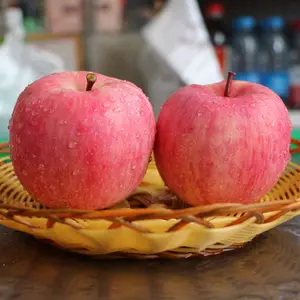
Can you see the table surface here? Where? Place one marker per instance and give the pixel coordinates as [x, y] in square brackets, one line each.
[267, 268]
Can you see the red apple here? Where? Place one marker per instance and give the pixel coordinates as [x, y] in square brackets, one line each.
[81, 143]
[212, 147]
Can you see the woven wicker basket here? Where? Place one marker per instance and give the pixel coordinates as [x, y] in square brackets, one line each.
[152, 222]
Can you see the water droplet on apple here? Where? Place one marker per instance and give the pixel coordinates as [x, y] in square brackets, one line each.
[106, 104]
[138, 135]
[111, 121]
[51, 187]
[116, 109]
[41, 167]
[72, 145]
[121, 186]
[133, 167]
[18, 140]
[33, 123]
[76, 172]
[24, 173]
[62, 122]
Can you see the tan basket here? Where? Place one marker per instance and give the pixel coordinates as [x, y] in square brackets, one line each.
[152, 222]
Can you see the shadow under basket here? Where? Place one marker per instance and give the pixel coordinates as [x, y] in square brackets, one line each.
[151, 223]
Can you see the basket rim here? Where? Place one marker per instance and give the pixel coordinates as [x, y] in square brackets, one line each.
[157, 211]
[203, 210]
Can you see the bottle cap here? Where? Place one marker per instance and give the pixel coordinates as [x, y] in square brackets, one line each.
[275, 22]
[245, 22]
[215, 9]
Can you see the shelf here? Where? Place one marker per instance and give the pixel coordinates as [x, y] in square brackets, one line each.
[42, 36]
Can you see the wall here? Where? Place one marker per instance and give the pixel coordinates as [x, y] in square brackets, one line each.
[121, 56]
[115, 55]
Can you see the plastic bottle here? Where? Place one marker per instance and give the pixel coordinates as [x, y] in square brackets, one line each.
[274, 56]
[216, 26]
[245, 50]
[294, 71]
[31, 14]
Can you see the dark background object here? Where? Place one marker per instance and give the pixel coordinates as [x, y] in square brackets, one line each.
[288, 9]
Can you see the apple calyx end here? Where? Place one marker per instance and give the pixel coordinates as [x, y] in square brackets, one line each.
[228, 83]
[91, 78]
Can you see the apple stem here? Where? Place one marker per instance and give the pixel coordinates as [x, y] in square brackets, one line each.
[91, 78]
[228, 83]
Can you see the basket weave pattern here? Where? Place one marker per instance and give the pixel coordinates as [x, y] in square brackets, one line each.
[152, 222]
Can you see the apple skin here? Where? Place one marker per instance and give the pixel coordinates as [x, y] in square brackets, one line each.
[79, 149]
[215, 149]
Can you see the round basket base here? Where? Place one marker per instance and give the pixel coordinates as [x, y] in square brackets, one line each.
[181, 253]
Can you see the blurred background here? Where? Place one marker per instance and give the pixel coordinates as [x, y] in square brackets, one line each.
[139, 40]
